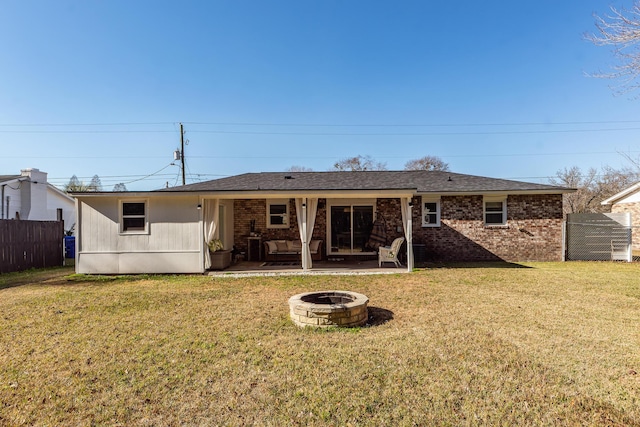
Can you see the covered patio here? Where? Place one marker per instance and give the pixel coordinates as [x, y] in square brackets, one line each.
[302, 227]
[325, 267]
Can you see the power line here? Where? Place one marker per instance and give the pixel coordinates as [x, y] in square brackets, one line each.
[150, 175]
[586, 122]
[84, 131]
[224, 132]
[84, 124]
[586, 153]
[539, 154]
[416, 133]
[583, 122]
[14, 128]
[114, 177]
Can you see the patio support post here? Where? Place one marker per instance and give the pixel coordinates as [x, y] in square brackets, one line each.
[305, 243]
[211, 212]
[406, 205]
[306, 209]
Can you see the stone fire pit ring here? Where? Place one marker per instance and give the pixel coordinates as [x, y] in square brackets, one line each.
[324, 309]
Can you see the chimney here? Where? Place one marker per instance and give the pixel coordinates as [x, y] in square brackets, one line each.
[33, 192]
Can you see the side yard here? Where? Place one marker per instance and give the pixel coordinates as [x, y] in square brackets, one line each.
[539, 343]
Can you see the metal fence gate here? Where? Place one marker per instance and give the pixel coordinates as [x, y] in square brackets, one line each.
[599, 237]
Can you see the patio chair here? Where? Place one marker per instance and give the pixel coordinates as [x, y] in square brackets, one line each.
[390, 253]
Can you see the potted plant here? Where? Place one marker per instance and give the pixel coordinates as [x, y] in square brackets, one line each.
[215, 245]
[220, 258]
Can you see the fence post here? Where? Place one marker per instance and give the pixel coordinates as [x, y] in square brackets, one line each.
[564, 240]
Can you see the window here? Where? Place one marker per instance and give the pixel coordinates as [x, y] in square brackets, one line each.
[278, 214]
[495, 210]
[350, 223]
[430, 212]
[133, 217]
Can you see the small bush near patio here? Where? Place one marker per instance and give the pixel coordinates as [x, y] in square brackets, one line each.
[548, 343]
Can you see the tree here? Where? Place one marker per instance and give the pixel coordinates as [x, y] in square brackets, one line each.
[621, 29]
[359, 163]
[612, 181]
[95, 184]
[76, 186]
[119, 187]
[426, 163]
[591, 187]
[582, 200]
[296, 168]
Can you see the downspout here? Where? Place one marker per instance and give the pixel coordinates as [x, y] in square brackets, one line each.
[2, 215]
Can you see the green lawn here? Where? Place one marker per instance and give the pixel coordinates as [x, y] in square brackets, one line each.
[549, 343]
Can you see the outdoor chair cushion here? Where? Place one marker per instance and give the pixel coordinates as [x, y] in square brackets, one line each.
[282, 246]
[291, 249]
[271, 246]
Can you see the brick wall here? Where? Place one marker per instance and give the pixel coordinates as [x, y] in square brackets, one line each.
[634, 209]
[533, 230]
[245, 210]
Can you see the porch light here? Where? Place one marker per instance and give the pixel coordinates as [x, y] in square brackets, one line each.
[199, 206]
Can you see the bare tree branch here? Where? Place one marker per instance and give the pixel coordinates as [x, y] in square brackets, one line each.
[297, 168]
[620, 29]
[592, 187]
[359, 163]
[429, 163]
[635, 162]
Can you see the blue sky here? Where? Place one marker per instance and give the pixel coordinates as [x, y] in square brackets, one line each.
[494, 88]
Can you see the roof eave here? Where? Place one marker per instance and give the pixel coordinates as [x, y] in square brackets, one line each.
[244, 194]
[499, 192]
[11, 181]
[624, 193]
[59, 191]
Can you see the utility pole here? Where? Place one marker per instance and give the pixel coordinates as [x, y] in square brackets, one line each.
[182, 153]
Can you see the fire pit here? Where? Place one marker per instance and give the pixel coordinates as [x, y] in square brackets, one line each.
[329, 308]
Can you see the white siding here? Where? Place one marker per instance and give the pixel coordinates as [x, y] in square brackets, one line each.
[57, 201]
[36, 202]
[632, 198]
[172, 244]
[14, 201]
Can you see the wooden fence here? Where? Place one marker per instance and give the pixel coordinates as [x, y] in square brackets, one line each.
[30, 244]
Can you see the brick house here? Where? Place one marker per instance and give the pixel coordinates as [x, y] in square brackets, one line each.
[628, 201]
[454, 217]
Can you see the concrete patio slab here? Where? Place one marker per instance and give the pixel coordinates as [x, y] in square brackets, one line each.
[343, 267]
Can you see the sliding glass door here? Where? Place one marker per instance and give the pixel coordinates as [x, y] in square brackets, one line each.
[350, 226]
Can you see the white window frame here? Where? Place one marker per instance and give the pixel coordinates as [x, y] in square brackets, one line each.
[503, 212]
[122, 216]
[285, 217]
[424, 212]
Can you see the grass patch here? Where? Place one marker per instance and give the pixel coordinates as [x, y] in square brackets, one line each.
[553, 343]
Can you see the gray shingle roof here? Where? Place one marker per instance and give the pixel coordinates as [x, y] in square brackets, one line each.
[417, 181]
[4, 178]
